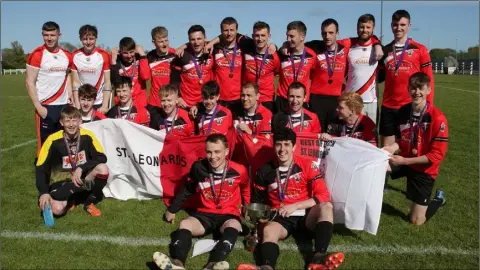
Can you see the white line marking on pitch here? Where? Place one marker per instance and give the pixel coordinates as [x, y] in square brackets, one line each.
[457, 89]
[164, 241]
[17, 145]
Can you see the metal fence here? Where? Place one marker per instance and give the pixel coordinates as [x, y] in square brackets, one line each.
[465, 67]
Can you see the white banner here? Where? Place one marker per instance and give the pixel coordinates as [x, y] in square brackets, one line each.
[355, 171]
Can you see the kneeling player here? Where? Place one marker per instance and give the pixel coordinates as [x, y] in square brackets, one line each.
[351, 122]
[87, 94]
[297, 118]
[170, 117]
[126, 107]
[71, 161]
[294, 185]
[223, 186]
[422, 137]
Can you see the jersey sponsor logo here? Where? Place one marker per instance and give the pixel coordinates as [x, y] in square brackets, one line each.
[82, 159]
[225, 195]
[362, 61]
[87, 70]
[289, 73]
[442, 127]
[338, 65]
[161, 72]
[252, 68]
[57, 69]
[223, 62]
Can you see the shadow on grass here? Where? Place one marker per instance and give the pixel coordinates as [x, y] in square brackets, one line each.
[396, 189]
[392, 211]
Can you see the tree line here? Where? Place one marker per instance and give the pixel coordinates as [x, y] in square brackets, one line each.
[15, 57]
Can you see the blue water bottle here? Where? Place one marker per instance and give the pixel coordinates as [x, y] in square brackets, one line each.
[48, 215]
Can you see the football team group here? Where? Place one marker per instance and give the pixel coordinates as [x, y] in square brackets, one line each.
[210, 87]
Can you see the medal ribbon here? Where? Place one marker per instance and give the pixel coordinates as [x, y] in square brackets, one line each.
[331, 68]
[302, 58]
[216, 198]
[258, 72]
[134, 66]
[165, 122]
[232, 62]
[301, 121]
[119, 112]
[414, 131]
[254, 123]
[354, 128]
[397, 63]
[73, 163]
[198, 68]
[281, 190]
[211, 120]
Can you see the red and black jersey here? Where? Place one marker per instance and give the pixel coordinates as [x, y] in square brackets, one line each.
[416, 58]
[178, 124]
[309, 123]
[190, 83]
[289, 74]
[304, 182]
[259, 122]
[139, 72]
[322, 83]
[365, 130]
[136, 113]
[263, 76]
[214, 195]
[160, 72]
[96, 115]
[217, 121]
[230, 81]
[432, 137]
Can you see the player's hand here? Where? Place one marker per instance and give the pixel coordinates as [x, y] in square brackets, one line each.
[391, 148]
[378, 52]
[44, 199]
[70, 102]
[182, 103]
[287, 210]
[114, 55]
[193, 111]
[103, 109]
[169, 217]
[139, 49]
[179, 51]
[208, 48]
[397, 160]
[284, 49]
[272, 48]
[244, 127]
[42, 111]
[77, 181]
[325, 137]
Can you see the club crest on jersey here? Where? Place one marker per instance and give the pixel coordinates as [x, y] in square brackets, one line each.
[55, 57]
[364, 49]
[66, 161]
[230, 181]
[305, 124]
[341, 53]
[296, 177]
[88, 59]
[410, 52]
[219, 121]
[442, 127]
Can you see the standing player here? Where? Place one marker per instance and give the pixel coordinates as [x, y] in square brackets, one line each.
[296, 66]
[92, 65]
[87, 95]
[260, 66]
[211, 117]
[422, 132]
[294, 185]
[297, 117]
[131, 61]
[71, 161]
[170, 117]
[194, 68]
[159, 61]
[352, 123]
[362, 70]
[48, 84]
[402, 58]
[223, 188]
[127, 108]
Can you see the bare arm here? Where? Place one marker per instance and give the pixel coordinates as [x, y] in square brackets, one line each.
[107, 92]
[32, 74]
[69, 90]
[75, 86]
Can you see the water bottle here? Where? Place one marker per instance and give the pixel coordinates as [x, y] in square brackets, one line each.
[48, 215]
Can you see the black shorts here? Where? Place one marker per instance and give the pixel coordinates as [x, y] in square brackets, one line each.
[294, 224]
[325, 107]
[235, 106]
[212, 222]
[388, 122]
[50, 124]
[419, 184]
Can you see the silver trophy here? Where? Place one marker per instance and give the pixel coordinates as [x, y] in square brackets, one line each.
[257, 213]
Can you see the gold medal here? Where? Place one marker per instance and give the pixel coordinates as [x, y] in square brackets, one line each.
[200, 81]
[255, 140]
[230, 75]
[414, 151]
[281, 204]
[396, 73]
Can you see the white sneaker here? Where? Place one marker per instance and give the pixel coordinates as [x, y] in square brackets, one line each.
[163, 262]
[223, 265]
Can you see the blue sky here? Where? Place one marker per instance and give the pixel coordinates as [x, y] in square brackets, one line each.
[435, 24]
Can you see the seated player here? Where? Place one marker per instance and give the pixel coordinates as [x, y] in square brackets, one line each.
[294, 185]
[170, 117]
[87, 94]
[211, 117]
[351, 122]
[422, 138]
[222, 186]
[71, 161]
[126, 107]
[297, 117]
